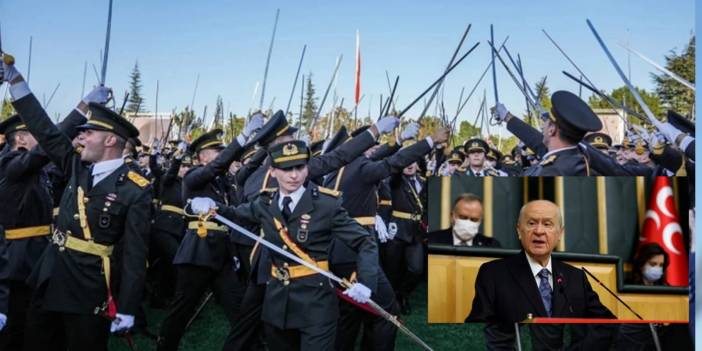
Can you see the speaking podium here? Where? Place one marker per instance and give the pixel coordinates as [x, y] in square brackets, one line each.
[599, 321]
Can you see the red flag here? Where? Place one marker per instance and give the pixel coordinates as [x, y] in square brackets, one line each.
[662, 226]
[357, 96]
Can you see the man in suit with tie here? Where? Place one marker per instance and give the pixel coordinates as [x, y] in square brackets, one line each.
[532, 283]
[466, 217]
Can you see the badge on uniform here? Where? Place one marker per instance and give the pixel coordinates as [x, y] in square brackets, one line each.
[303, 232]
[111, 197]
[104, 221]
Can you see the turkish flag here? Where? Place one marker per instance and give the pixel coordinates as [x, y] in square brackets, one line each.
[662, 226]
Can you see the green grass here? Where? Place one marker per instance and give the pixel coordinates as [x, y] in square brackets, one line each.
[210, 329]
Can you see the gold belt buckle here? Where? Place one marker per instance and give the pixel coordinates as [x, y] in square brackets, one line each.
[283, 275]
[59, 239]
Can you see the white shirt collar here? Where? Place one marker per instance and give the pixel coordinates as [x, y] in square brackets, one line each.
[103, 169]
[295, 196]
[536, 268]
[557, 150]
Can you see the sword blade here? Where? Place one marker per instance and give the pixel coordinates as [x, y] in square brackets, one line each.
[297, 75]
[385, 314]
[609, 99]
[268, 60]
[679, 79]
[107, 45]
[651, 118]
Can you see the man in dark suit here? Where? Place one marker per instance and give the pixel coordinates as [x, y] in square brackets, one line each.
[531, 283]
[466, 217]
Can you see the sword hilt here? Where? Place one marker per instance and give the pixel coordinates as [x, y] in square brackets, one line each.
[8, 59]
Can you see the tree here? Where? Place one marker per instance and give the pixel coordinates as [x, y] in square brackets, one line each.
[674, 95]
[7, 110]
[543, 93]
[187, 123]
[218, 118]
[623, 95]
[310, 105]
[136, 101]
[233, 126]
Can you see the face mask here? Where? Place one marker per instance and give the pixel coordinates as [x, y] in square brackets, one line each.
[465, 229]
[652, 274]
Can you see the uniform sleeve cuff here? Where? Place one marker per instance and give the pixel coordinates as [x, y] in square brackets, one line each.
[686, 142]
[19, 90]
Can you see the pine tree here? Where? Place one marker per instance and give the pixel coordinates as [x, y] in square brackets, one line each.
[136, 101]
[674, 95]
[218, 118]
[310, 105]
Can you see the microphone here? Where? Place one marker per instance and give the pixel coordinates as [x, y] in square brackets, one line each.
[612, 293]
[560, 281]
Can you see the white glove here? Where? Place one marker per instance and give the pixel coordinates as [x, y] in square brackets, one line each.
[7, 72]
[500, 112]
[669, 131]
[3, 320]
[182, 146]
[411, 131]
[99, 94]
[155, 147]
[387, 124]
[655, 138]
[255, 123]
[202, 205]
[381, 229]
[444, 170]
[358, 292]
[122, 323]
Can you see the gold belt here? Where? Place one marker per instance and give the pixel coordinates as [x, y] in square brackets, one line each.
[365, 220]
[64, 241]
[208, 225]
[55, 211]
[27, 232]
[385, 203]
[406, 215]
[286, 272]
[173, 209]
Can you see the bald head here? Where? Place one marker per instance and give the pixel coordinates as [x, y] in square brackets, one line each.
[540, 228]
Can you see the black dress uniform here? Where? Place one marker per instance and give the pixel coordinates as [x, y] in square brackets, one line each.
[76, 277]
[405, 252]
[206, 257]
[300, 307]
[358, 182]
[4, 274]
[574, 119]
[243, 334]
[168, 228]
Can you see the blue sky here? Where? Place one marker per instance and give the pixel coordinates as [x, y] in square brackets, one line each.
[226, 43]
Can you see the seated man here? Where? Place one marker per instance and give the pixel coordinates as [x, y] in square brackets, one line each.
[508, 290]
[466, 217]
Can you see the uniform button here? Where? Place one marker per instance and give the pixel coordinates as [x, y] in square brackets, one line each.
[104, 209]
[76, 217]
[285, 247]
[85, 199]
[285, 264]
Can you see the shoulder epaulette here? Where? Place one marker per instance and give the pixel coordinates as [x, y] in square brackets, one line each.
[548, 160]
[268, 190]
[138, 179]
[422, 178]
[329, 192]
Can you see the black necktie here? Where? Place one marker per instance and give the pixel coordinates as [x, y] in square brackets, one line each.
[286, 207]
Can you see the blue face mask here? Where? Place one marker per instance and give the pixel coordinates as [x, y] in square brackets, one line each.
[652, 274]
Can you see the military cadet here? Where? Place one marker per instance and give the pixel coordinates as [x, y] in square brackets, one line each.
[205, 257]
[244, 335]
[300, 308]
[27, 218]
[405, 252]
[476, 150]
[103, 205]
[358, 181]
[169, 223]
[600, 141]
[570, 119]
[453, 163]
